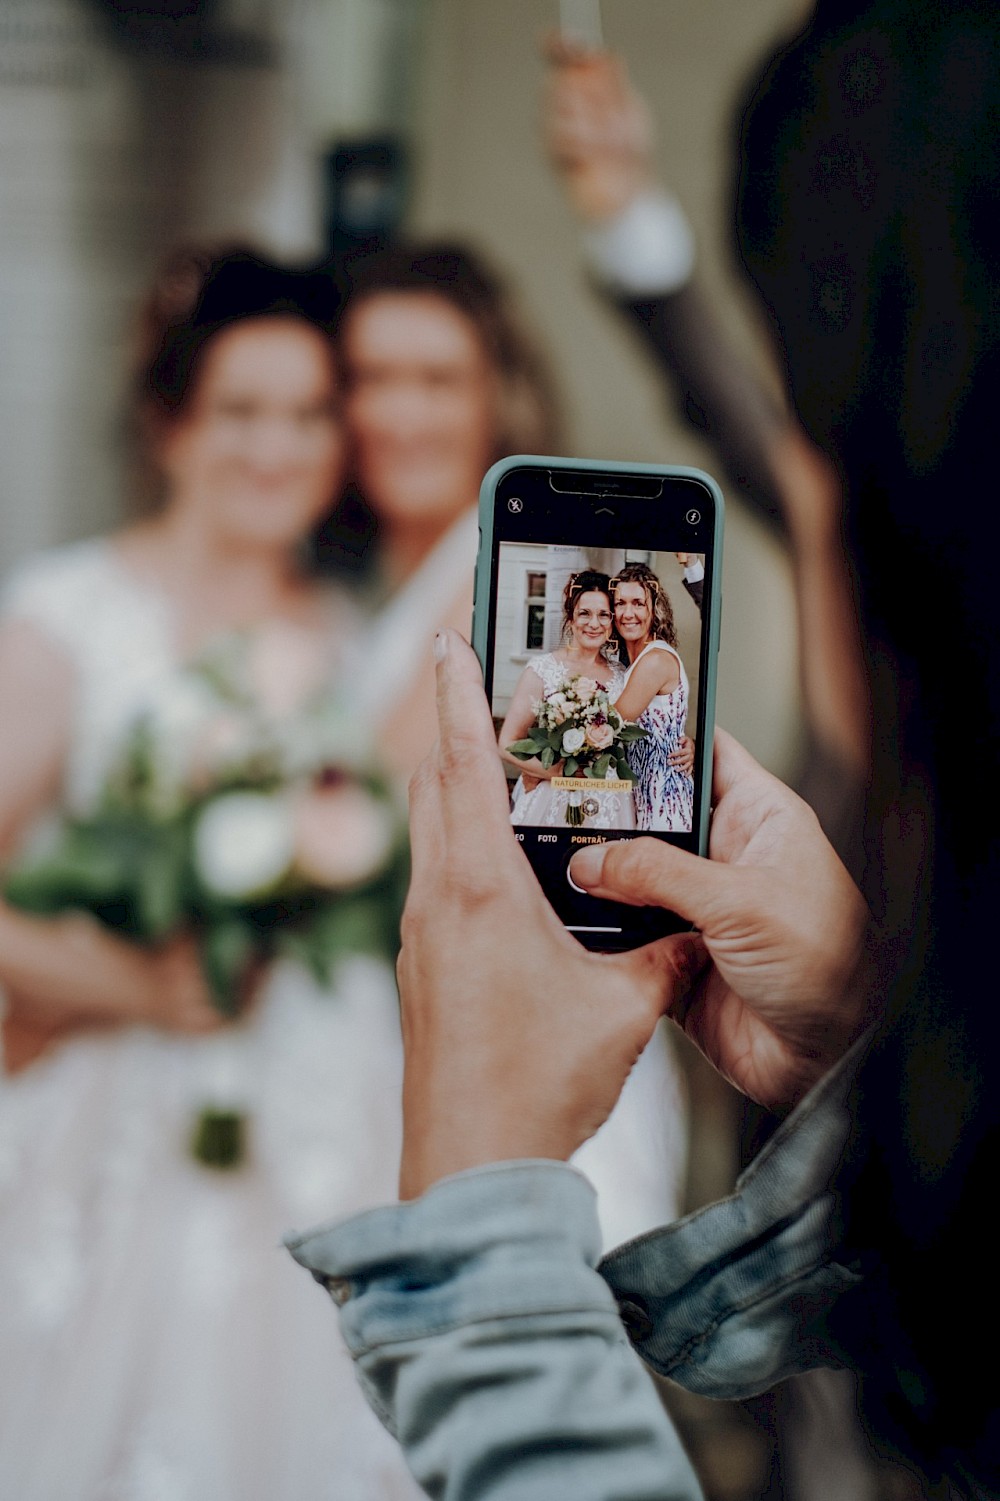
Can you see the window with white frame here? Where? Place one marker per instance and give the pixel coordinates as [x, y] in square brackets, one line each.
[534, 610]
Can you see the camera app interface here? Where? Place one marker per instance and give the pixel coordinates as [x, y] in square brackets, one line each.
[596, 664]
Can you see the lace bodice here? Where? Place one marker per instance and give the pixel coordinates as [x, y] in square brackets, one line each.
[122, 641]
[554, 673]
[117, 636]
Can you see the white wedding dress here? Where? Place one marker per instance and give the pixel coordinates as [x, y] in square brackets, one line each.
[638, 1160]
[545, 806]
[157, 1343]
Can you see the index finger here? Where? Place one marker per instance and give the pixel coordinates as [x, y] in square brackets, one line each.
[474, 793]
[731, 764]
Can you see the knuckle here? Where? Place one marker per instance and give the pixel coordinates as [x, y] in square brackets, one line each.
[423, 779]
[462, 755]
[410, 924]
[634, 864]
[467, 890]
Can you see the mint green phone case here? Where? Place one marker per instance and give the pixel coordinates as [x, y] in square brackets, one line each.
[484, 581]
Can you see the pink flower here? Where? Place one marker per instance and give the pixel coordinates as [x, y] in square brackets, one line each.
[343, 835]
[586, 687]
[600, 735]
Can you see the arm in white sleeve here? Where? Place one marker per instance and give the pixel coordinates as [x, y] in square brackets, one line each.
[645, 251]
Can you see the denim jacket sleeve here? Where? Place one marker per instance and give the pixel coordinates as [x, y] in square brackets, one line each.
[736, 1297]
[492, 1349]
[495, 1352]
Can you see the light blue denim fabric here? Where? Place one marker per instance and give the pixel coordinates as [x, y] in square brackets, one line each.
[492, 1347]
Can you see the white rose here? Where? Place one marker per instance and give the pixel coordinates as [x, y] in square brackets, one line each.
[572, 741]
[243, 843]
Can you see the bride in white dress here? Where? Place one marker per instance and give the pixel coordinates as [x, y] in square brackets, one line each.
[156, 1344]
[587, 628]
[441, 381]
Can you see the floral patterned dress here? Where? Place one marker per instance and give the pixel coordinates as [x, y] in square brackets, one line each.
[545, 805]
[664, 796]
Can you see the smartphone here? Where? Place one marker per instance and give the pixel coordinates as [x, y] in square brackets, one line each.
[598, 584]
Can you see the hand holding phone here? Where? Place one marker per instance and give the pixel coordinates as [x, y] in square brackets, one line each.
[600, 669]
[518, 1041]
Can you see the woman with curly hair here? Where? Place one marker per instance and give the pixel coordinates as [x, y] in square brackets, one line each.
[655, 696]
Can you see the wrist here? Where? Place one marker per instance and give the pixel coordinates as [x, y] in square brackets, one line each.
[430, 1158]
[482, 1127]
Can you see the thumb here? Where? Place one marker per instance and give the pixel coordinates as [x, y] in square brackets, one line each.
[648, 873]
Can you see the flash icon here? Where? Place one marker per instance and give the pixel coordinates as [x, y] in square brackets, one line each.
[515, 505]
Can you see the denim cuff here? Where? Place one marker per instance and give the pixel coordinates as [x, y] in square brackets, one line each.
[510, 1240]
[736, 1296]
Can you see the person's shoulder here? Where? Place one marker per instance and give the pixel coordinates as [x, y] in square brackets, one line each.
[59, 590]
[655, 666]
[654, 657]
[45, 603]
[547, 670]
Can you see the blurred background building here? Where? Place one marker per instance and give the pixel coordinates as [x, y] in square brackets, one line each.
[303, 125]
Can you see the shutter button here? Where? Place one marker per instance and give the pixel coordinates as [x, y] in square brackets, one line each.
[635, 1316]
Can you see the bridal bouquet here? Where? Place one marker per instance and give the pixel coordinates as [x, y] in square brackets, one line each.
[250, 819]
[579, 725]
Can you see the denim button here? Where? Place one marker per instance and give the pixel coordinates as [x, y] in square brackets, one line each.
[635, 1316]
[339, 1288]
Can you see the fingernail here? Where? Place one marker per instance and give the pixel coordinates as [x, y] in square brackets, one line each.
[587, 865]
[440, 646]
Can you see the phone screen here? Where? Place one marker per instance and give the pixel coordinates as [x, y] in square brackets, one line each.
[598, 655]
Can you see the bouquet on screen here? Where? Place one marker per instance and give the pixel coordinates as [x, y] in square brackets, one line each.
[253, 821]
[580, 726]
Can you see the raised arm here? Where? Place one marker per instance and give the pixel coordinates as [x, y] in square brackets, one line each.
[658, 672]
[640, 249]
[60, 974]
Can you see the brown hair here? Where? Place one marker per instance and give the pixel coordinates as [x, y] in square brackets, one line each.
[528, 419]
[587, 581]
[197, 294]
[662, 626]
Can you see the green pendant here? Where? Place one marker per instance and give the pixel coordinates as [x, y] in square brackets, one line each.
[219, 1139]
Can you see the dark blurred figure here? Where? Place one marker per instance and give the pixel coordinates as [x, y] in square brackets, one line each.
[867, 201]
[867, 187]
[640, 251]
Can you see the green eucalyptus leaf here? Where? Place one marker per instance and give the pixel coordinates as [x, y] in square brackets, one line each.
[227, 944]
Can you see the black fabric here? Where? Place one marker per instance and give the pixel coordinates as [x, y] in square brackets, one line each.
[713, 389]
[867, 208]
